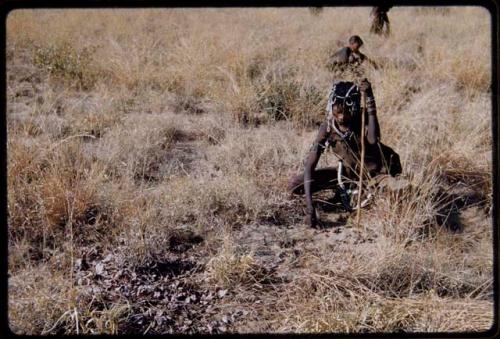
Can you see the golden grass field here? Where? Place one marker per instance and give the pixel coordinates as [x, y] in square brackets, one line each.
[148, 156]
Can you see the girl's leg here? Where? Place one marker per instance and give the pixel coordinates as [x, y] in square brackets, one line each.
[325, 178]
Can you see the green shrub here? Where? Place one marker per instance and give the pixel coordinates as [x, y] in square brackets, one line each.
[282, 97]
[72, 65]
[276, 98]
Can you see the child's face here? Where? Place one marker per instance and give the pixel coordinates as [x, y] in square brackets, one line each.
[342, 116]
[354, 46]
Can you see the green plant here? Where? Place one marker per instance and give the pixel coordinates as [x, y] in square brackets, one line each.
[73, 65]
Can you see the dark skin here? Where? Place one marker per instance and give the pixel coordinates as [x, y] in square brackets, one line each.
[313, 181]
[354, 46]
[340, 57]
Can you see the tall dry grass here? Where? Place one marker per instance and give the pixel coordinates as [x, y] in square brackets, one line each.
[129, 128]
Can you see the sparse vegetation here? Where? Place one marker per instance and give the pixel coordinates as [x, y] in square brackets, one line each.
[148, 156]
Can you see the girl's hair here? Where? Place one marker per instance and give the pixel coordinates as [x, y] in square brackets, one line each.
[347, 94]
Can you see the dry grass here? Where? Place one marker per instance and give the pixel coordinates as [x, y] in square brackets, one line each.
[134, 132]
